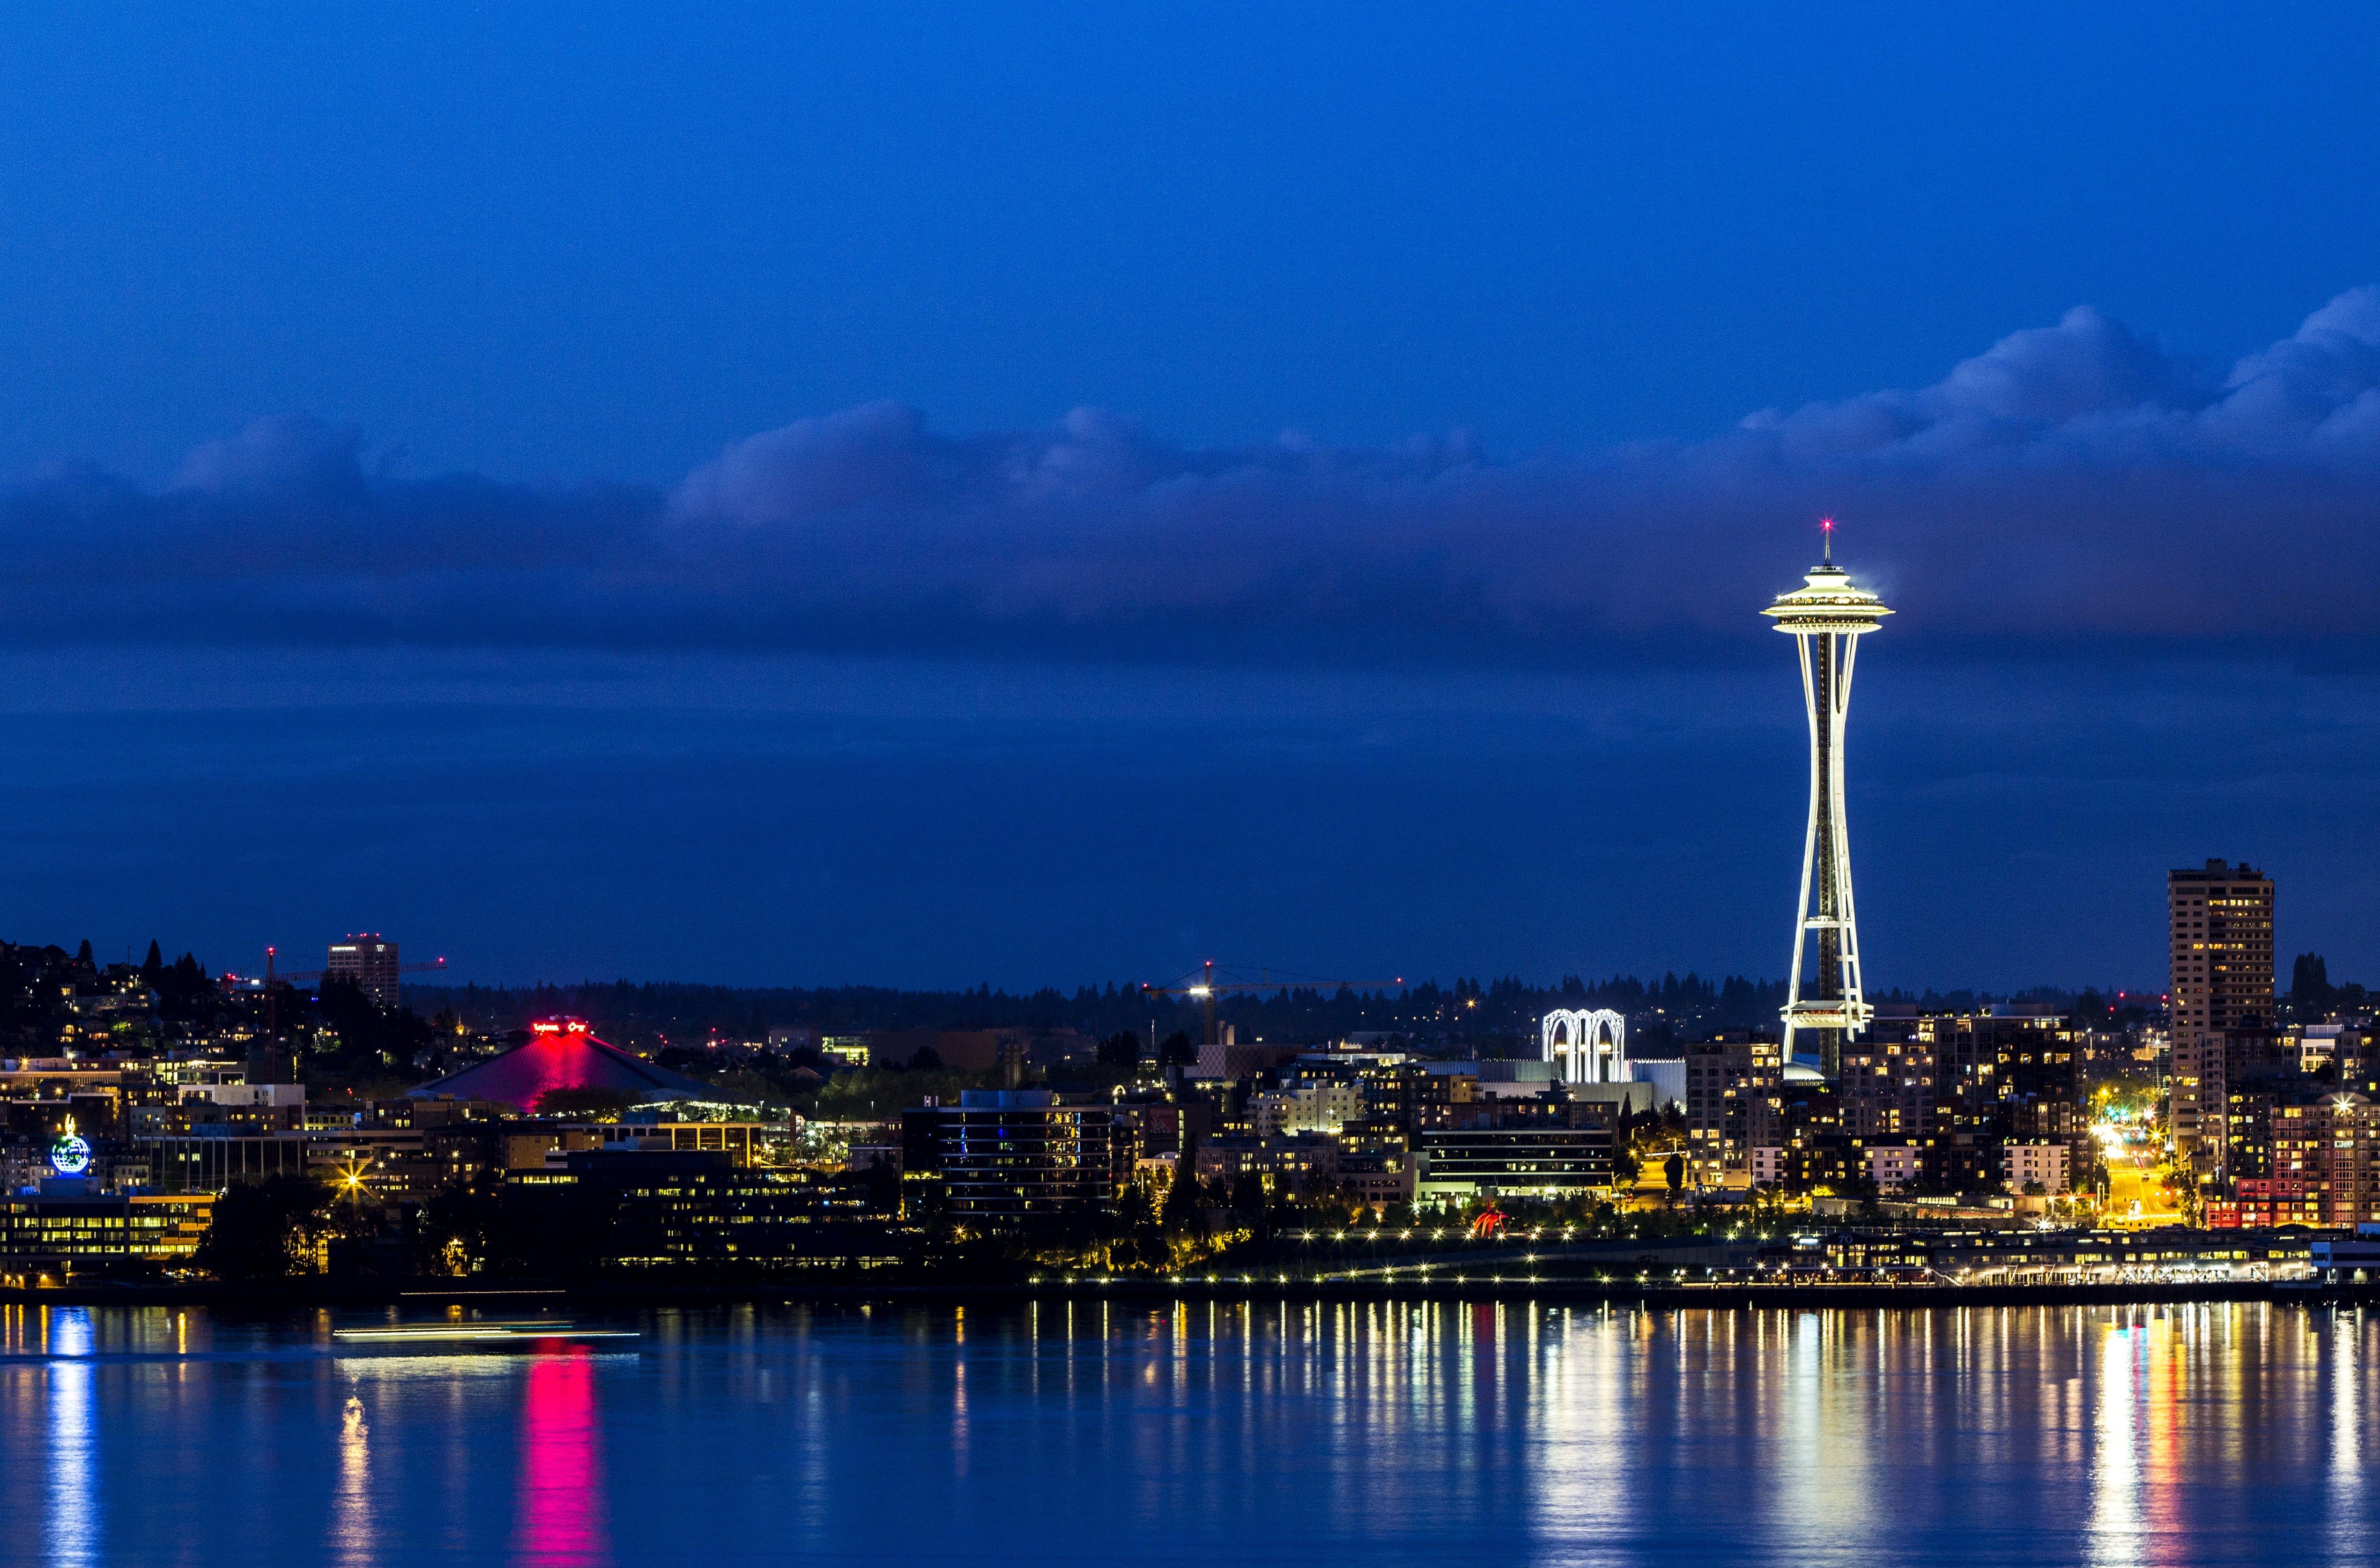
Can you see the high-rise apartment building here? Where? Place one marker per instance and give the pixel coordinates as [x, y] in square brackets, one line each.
[1732, 1086]
[2329, 1152]
[369, 961]
[2222, 927]
[1888, 1083]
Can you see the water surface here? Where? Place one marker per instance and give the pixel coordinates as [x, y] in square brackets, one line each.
[1445, 1433]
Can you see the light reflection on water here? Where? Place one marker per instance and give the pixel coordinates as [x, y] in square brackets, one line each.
[73, 1531]
[1301, 1432]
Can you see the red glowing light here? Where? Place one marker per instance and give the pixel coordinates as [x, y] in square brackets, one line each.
[559, 1502]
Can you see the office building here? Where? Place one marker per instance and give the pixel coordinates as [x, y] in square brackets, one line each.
[2221, 920]
[59, 1235]
[197, 1162]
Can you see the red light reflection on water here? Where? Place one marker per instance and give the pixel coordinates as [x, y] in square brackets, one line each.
[558, 1511]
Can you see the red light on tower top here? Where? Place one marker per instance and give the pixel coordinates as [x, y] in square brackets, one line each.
[1827, 533]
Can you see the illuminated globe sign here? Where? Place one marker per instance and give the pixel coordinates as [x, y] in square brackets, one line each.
[69, 1155]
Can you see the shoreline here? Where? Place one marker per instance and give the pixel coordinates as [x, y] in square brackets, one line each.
[418, 1295]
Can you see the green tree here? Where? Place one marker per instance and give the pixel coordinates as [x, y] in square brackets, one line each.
[459, 1229]
[266, 1230]
[1182, 1209]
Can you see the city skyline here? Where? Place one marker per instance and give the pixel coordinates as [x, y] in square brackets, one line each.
[877, 775]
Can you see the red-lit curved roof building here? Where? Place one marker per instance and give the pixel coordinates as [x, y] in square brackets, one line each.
[560, 1054]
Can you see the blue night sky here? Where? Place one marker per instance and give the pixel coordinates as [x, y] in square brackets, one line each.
[943, 495]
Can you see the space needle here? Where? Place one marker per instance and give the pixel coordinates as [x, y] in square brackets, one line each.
[1826, 618]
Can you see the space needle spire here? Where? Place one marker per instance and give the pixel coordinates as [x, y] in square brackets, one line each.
[1826, 618]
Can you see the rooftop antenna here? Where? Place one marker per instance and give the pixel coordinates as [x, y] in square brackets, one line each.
[1826, 532]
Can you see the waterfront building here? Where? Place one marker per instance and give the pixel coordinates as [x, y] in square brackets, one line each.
[90, 1233]
[2220, 920]
[2332, 1147]
[1544, 1148]
[2029, 1256]
[1010, 1156]
[1307, 1163]
[659, 1208]
[2346, 1261]
[1377, 1164]
[2263, 1202]
[1826, 618]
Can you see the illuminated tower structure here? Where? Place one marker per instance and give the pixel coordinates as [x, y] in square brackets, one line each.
[1825, 617]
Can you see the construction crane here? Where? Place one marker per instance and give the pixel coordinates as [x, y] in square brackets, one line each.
[299, 977]
[1202, 983]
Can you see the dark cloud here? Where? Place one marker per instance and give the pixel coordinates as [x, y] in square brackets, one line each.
[2073, 481]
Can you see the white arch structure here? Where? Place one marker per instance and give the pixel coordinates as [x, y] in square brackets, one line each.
[1591, 1046]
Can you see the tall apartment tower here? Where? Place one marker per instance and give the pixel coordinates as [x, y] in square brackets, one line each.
[369, 961]
[2222, 920]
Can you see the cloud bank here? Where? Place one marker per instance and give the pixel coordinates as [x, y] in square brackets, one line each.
[2075, 482]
